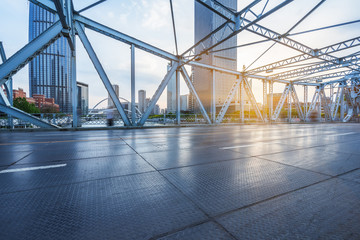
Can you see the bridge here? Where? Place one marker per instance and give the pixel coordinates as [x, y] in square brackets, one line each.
[216, 179]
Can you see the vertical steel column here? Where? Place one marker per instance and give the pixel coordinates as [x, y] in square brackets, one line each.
[289, 99]
[178, 97]
[8, 85]
[306, 91]
[133, 109]
[331, 91]
[213, 100]
[319, 105]
[241, 93]
[342, 106]
[264, 98]
[74, 89]
[271, 104]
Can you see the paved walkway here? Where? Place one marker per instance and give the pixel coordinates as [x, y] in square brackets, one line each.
[238, 182]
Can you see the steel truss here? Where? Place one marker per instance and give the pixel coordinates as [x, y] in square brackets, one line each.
[71, 23]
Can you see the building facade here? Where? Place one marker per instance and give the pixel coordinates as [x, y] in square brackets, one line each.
[83, 97]
[184, 103]
[49, 72]
[171, 93]
[205, 22]
[141, 103]
[110, 101]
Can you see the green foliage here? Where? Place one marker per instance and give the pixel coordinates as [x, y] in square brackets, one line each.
[25, 106]
[49, 109]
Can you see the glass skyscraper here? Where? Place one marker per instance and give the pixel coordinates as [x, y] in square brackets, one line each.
[49, 72]
[207, 21]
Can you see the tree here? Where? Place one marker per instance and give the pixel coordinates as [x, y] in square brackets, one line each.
[25, 106]
[49, 109]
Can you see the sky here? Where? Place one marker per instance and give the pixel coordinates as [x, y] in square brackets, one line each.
[150, 21]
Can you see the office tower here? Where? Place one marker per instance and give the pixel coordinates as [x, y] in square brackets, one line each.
[83, 97]
[171, 93]
[147, 103]
[110, 101]
[184, 102]
[156, 109]
[142, 97]
[207, 21]
[49, 72]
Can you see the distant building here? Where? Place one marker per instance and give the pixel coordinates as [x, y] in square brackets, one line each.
[49, 72]
[276, 100]
[39, 100]
[171, 93]
[147, 102]
[184, 103]
[18, 93]
[142, 97]
[83, 97]
[156, 110]
[110, 101]
[207, 21]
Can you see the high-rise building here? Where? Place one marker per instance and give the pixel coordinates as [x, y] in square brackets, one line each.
[83, 97]
[156, 109]
[110, 101]
[184, 103]
[171, 93]
[207, 21]
[147, 103]
[142, 97]
[49, 72]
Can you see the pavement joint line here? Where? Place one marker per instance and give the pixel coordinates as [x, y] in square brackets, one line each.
[69, 160]
[242, 146]
[213, 218]
[175, 187]
[206, 163]
[32, 168]
[120, 138]
[75, 183]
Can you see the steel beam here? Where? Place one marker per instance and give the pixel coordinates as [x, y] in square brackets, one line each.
[321, 67]
[228, 100]
[91, 6]
[306, 93]
[133, 113]
[326, 105]
[178, 110]
[29, 51]
[89, 49]
[158, 93]
[48, 5]
[321, 78]
[194, 93]
[8, 85]
[271, 104]
[25, 116]
[297, 103]
[10, 110]
[252, 99]
[313, 102]
[264, 98]
[230, 29]
[97, 27]
[60, 10]
[213, 97]
[281, 102]
[321, 53]
[337, 101]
